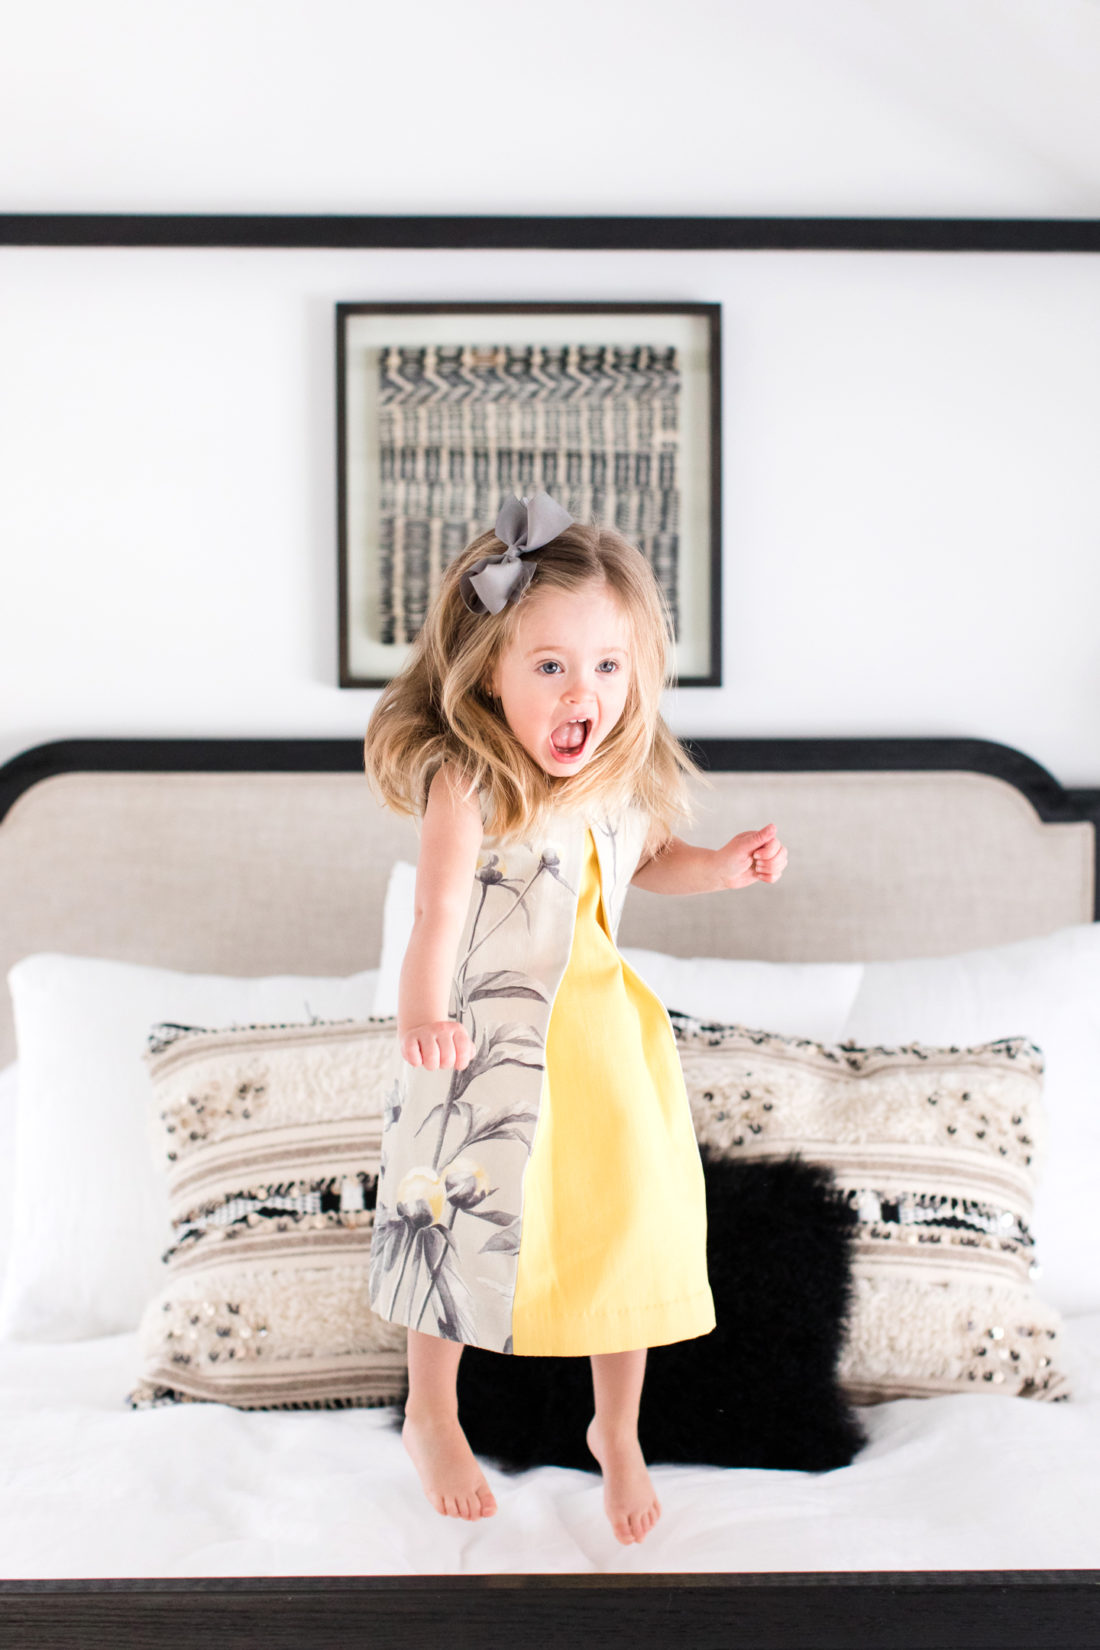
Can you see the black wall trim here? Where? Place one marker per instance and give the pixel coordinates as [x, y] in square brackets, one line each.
[619, 234]
[1051, 800]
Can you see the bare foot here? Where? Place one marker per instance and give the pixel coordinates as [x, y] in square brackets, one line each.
[629, 1498]
[452, 1479]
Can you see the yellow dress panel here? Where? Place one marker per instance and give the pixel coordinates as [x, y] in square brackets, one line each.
[612, 1250]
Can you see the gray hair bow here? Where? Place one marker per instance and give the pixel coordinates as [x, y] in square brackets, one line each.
[524, 524]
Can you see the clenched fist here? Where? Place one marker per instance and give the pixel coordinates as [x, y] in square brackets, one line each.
[437, 1043]
[751, 856]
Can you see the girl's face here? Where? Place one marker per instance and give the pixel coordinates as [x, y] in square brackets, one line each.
[570, 658]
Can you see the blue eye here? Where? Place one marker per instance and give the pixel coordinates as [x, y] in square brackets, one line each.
[612, 662]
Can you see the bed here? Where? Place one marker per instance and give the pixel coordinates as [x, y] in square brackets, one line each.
[968, 1518]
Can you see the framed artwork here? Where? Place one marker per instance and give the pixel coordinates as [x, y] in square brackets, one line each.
[443, 410]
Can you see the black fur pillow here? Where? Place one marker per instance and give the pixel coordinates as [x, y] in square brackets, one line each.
[759, 1391]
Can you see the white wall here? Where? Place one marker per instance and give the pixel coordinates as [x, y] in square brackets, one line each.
[911, 534]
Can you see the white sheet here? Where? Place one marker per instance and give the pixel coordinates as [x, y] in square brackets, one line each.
[92, 1489]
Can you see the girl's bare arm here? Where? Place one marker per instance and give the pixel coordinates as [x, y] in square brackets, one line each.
[679, 868]
[450, 841]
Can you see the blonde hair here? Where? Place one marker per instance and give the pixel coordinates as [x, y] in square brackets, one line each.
[439, 708]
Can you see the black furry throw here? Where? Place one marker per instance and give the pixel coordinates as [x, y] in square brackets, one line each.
[759, 1391]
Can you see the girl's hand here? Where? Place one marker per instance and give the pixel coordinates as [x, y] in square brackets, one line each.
[751, 856]
[437, 1043]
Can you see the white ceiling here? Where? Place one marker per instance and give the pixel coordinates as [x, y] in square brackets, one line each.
[833, 107]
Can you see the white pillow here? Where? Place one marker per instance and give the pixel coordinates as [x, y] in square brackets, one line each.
[8, 1082]
[397, 927]
[1047, 989]
[90, 1217]
[794, 999]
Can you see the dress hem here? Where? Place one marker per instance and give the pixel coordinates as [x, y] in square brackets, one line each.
[623, 1329]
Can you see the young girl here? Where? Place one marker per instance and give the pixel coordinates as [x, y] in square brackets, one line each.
[541, 1190]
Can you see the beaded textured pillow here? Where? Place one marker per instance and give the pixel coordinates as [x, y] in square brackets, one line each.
[937, 1149]
[271, 1137]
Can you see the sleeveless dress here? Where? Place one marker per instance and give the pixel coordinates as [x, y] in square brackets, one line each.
[550, 1198]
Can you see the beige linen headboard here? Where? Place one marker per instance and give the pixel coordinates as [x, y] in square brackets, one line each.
[255, 857]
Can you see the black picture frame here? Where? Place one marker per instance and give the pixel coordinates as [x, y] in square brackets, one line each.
[368, 655]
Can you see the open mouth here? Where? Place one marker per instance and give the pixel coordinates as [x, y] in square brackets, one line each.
[570, 752]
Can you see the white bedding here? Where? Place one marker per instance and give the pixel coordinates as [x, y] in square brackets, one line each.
[972, 1482]
[93, 1489]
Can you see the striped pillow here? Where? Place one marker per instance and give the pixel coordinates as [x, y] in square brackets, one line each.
[271, 1136]
[937, 1150]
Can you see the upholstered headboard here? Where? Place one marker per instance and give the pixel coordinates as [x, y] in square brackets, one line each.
[271, 856]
